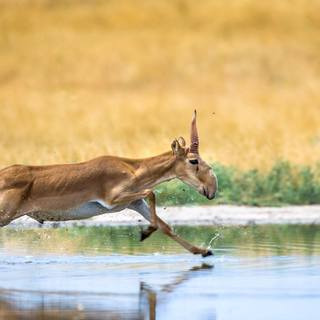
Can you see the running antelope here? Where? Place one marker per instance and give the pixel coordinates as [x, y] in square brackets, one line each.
[105, 184]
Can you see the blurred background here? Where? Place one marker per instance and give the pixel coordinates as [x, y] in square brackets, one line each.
[79, 79]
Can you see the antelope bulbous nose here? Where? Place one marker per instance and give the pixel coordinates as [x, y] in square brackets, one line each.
[211, 196]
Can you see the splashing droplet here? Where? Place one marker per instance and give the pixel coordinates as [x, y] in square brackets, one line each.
[216, 236]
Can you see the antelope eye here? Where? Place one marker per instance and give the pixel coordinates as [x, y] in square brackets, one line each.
[195, 161]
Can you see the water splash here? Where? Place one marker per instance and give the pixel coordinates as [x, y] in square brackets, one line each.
[216, 236]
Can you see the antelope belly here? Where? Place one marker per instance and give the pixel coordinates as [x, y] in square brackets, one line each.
[87, 210]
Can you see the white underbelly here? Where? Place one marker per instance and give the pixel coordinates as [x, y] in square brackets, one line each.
[103, 204]
[85, 211]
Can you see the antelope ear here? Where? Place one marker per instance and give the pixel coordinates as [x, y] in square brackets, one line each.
[177, 149]
[182, 142]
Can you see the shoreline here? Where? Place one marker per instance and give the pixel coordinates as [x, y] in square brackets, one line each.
[194, 216]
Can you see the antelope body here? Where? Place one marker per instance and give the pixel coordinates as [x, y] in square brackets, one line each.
[105, 184]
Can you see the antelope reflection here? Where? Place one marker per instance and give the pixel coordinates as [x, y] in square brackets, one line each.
[150, 307]
[46, 308]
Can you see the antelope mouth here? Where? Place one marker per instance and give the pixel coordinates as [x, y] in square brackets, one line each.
[207, 194]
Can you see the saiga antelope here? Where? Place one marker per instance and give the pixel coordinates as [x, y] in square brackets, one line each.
[105, 184]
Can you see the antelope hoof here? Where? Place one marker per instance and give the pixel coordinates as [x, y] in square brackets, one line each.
[147, 232]
[208, 253]
[143, 235]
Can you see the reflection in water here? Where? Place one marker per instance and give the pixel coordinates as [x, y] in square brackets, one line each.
[149, 305]
[19, 304]
[271, 272]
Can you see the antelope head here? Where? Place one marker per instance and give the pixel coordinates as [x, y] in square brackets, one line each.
[190, 168]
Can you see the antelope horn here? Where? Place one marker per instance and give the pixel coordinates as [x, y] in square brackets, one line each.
[194, 147]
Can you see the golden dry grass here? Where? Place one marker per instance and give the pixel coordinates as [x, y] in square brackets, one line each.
[83, 78]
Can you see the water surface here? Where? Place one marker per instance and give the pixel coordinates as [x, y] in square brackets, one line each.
[258, 272]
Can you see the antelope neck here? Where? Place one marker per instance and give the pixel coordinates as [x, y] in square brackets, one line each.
[154, 170]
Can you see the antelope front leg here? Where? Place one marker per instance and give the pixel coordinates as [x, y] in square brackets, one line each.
[153, 217]
[143, 208]
[166, 229]
[127, 197]
[140, 206]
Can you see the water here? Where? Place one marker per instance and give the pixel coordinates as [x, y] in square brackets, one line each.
[258, 272]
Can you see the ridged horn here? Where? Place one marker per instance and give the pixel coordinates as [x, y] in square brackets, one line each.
[194, 146]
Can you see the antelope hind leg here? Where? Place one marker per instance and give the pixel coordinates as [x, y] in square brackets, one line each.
[10, 202]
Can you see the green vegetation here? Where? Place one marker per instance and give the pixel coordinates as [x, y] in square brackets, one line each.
[283, 184]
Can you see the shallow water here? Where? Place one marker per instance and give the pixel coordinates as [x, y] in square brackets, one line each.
[258, 272]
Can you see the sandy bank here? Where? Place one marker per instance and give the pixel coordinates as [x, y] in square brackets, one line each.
[213, 215]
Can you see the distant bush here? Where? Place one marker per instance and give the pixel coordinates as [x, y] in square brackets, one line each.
[283, 184]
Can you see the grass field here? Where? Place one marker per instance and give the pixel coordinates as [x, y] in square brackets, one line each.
[83, 78]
